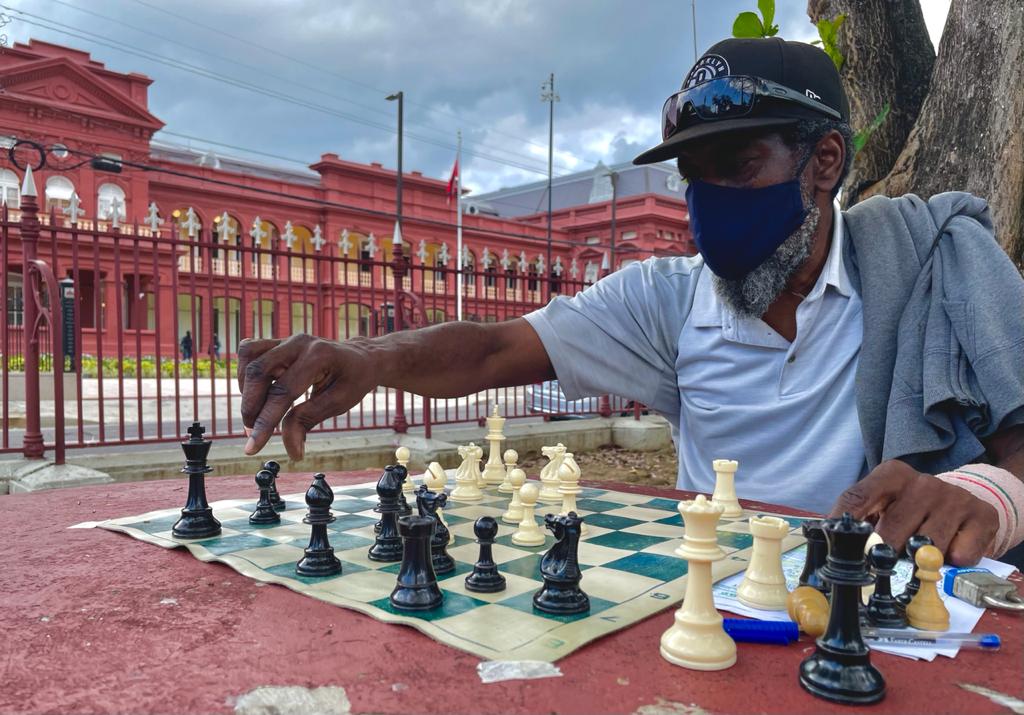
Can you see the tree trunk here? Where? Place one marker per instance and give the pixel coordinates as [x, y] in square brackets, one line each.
[888, 58]
[970, 132]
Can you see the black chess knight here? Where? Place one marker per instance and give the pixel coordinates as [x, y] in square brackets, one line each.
[427, 504]
[560, 568]
[197, 520]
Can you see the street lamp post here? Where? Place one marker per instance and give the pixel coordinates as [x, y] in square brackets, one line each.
[398, 265]
[548, 95]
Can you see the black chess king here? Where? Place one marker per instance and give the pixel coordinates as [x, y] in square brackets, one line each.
[197, 520]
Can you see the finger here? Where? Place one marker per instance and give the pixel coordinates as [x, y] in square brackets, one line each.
[302, 418]
[941, 528]
[871, 494]
[260, 375]
[974, 539]
[280, 396]
[906, 514]
[249, 350]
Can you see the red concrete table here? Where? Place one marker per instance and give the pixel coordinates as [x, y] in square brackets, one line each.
[93, 622]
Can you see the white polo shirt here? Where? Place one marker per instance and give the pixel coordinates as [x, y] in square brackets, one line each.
[732, 387]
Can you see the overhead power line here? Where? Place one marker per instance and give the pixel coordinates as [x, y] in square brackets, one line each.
[121, 47]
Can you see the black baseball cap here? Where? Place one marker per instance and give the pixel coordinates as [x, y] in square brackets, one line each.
[796, 65]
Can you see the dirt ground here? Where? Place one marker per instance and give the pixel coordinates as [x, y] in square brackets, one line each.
[614, 464]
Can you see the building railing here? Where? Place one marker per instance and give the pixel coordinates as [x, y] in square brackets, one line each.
[154, 318]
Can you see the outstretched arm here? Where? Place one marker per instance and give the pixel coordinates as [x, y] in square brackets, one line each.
[448, 360]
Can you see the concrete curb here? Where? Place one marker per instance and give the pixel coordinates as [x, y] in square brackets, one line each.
[344, 452]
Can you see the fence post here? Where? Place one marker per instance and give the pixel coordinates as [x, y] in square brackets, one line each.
[32, 442]
[398, 269]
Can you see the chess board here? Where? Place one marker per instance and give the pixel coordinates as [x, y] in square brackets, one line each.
[627, 556]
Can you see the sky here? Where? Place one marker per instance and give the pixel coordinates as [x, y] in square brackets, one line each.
[294, 79]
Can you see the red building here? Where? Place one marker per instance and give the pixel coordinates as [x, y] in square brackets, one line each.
[213, 244]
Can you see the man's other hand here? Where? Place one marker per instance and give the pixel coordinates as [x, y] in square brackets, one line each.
[902, 502]
[272, 374]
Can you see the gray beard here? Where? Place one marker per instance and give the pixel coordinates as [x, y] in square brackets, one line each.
[751, 295]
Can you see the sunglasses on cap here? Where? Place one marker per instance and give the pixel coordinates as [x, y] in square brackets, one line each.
[729, 97]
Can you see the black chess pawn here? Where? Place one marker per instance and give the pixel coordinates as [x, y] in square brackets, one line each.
[319, 558]
[404, 474]
[914, 543]
[275, 498]
[387, 545]
[197, 520]
[417, 588]
[560, 568]
[840, 669]
[265, 512]
[485, 577]
[427, 504]
[817, 551]
[883, 609]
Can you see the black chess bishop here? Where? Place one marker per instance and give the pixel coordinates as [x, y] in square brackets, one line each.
[319, 558]
[387, 544]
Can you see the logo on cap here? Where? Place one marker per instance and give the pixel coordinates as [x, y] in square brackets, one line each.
[707, 68]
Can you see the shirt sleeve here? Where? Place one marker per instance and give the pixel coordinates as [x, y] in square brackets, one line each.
[620, 335]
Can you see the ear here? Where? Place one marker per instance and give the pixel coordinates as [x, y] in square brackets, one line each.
[827, 162]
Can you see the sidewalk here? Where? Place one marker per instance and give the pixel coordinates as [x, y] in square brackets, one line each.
[332, 452]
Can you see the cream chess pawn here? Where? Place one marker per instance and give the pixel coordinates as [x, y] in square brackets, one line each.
[549, 473]
[467, 476]
[725, 487]
[696, 638]
[436, 479]
[514, 513]
[511, 459]
[402, 456]
[494, 470]
[764, 583]
[569, 487]
[528, 533]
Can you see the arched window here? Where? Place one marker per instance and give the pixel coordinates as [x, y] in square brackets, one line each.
[110, 195]
[264, 241]
[10, 191]
[58, 193]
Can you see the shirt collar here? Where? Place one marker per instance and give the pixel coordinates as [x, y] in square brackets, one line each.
[708, 311]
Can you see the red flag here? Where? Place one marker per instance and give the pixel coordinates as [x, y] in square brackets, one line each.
[451, 182]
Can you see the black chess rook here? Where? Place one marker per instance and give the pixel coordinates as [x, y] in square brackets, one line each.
[387, 544]
[560, 568]
[197, 520]
[416, 588]
[485, 577]
[319, 559]
[840, 669]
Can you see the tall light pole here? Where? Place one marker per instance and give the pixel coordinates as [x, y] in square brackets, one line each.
[693, 11]
[548, 95]
[398, 186]
[613, 176]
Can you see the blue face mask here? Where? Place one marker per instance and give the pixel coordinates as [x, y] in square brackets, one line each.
[736, 230]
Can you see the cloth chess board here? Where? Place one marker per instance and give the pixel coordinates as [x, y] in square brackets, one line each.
[627, 556]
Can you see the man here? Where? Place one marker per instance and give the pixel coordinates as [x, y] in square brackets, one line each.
[186, 346]
[867, 362]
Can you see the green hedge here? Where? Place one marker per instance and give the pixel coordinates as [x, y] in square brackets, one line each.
[131, 367]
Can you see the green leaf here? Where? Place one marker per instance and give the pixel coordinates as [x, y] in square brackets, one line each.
[861, 137]
[747, 25]
[767, 8]
[828, 30]
[815, 42]
[771, 31]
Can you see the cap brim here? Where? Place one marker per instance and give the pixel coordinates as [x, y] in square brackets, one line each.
[670, 148]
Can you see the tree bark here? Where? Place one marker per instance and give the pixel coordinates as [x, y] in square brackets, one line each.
[969, 135]
[888, 58]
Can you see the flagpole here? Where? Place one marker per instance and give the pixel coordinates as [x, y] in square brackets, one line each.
[458, 228]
